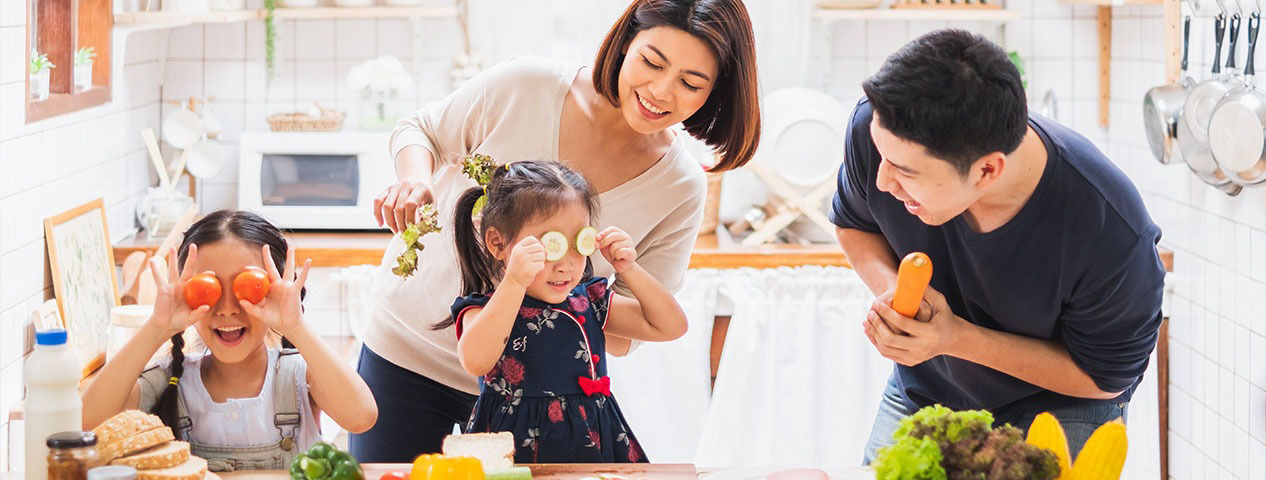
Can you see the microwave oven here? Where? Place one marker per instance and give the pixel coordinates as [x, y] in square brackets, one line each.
[314, 180]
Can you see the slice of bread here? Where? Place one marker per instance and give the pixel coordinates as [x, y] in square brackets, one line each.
[166, 455]
[192, 469]
[125, 424]
[494, 450]
[141, 441]
[211, 476]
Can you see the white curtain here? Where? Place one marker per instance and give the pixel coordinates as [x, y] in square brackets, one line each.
[798, 384]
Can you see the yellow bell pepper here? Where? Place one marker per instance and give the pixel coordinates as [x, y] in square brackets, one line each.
[440, 467]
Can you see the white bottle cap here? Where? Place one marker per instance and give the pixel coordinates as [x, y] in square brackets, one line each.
[113, 472]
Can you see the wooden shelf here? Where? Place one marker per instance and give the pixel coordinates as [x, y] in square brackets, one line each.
[1111, 3]
[995, 15]
[136, 18]
[429, 11]
[175, 18]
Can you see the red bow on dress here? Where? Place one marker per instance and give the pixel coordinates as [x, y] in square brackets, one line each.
[591, 386]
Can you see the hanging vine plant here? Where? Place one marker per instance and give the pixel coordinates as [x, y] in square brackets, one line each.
[270, 38]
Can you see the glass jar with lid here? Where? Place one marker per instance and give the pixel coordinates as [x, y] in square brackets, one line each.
[71, 454]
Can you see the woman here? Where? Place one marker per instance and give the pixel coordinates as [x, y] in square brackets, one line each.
[664, 62]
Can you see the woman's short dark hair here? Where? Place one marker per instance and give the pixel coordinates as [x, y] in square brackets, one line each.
[729, 121]
[953, 92]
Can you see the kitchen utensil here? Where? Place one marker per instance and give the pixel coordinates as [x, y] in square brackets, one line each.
[1237, 129]
[205, 159]
[182, 128]
[210, 122]
[1193, 123]
[1161, 106]
[155, 156]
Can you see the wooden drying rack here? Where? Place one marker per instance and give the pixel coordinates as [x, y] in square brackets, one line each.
[1173, 44]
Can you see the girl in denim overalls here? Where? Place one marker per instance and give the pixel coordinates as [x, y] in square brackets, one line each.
[240, 404]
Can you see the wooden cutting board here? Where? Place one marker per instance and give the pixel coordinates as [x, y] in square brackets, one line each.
[552, 471]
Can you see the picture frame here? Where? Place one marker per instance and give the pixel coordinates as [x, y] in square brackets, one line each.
[81, 263]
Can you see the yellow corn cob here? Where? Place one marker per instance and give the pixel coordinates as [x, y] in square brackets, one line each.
[1103, 457]
[1047, 433]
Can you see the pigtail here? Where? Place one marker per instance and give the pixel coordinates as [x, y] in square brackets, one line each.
[479, 268]
[167, 407]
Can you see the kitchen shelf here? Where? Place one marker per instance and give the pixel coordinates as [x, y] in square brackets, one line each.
[427, 11]
[178, 19]
[994, 15]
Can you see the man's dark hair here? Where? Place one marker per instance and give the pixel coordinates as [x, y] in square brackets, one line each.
[954, 92]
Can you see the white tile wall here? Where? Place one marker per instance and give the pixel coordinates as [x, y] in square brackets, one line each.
[1219, 362]
[49, 166]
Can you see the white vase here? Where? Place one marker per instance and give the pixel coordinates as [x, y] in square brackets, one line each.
[39, 85]
[297, 3]
[186, 6]
[83, 76]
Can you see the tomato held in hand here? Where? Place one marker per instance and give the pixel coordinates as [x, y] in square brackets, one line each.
[202, 289]
[251, 285]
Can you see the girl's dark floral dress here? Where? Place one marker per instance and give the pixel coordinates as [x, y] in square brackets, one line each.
[550, 386]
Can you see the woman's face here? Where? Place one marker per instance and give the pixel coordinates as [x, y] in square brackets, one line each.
[666, 76]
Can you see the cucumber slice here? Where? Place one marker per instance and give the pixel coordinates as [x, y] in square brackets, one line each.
[555, 246]
[587, 241]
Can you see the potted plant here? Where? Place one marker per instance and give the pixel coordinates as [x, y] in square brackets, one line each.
[39, 71]
[379, 82]
[84, 58]
[270, 38]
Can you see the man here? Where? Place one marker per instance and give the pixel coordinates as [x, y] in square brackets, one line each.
[1046, 287]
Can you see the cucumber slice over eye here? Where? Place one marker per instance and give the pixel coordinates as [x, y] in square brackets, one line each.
[555, 246]
[587, 241]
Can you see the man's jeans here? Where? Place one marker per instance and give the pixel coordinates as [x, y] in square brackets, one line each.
[1079, 421]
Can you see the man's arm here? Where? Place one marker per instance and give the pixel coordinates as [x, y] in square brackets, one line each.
[1045, 363]
[871, 258]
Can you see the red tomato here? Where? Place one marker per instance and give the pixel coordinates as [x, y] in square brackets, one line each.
[202, 289]
[394, 476]
[251, 285]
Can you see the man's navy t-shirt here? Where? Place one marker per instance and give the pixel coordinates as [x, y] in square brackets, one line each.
[1077, 264]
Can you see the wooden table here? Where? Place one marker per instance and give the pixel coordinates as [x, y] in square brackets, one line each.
[634, 471]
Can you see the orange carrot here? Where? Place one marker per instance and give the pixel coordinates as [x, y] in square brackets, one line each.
[912, 280]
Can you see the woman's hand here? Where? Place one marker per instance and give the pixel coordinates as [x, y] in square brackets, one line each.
[617, 248]
[397, 206]
[280, 310]
[171, 314]
[526, 260]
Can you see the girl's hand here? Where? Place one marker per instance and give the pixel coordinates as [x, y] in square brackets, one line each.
[171, 314]
[526, 260]
[617, 248]
[397, 206]
[280, 309]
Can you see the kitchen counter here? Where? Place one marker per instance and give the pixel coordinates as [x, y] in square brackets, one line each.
[342, 249]
[643, 471]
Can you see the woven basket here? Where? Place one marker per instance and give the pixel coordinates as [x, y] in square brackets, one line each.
[302, 122]
[712, 204]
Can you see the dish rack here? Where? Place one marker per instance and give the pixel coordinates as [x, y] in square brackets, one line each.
[947, 4]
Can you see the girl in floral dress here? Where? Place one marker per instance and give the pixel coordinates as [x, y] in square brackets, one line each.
[532, 323]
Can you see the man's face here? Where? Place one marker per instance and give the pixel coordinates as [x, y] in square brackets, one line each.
[931, 188]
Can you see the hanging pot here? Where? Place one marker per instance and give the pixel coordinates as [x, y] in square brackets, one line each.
[1193, 122]
[1237, 130]
[1161, 106]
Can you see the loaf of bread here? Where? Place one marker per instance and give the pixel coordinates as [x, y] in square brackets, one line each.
[167, 455]
[129, 432]
[192, 469]
[494, 450]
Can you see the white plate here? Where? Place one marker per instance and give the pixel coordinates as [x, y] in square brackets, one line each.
[803, 135]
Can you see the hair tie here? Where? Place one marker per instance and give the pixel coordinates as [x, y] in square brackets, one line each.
[174, 381]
